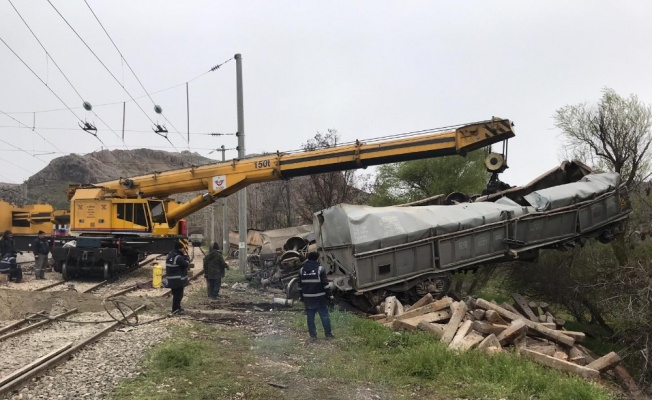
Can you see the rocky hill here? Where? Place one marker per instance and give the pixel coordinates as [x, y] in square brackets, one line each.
[49, 185]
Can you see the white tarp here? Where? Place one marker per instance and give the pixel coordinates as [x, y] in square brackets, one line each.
[587, 188]
[376, 227]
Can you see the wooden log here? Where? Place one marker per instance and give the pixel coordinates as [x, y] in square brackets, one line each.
[478, 314]
[398, 325]
[547, 349]
[469, 341]
[436, 330]
[578, 336]
[549, 318]
[522, 306]
[520, 341]
[488, 328]
[510, 308]
[561, 364]
[494, 318]
[427, 299]
[428, 308]
[514, 330]
[453, 323]
[560, 355]
[577, 356]
[605, 362]
[460, 334]
[430, 317]
[376, 317]
[488, 342]
[552, 334]
[560, 322]
[545, 307]
[628, 382]
[549, 325]
[535, 308]
[390, 306]
[398, 308]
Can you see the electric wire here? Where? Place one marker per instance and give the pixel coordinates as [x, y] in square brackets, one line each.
[131, 69]
[39, 78]
[37, 132]
[113, 103]
[48, 55]
[105, 67]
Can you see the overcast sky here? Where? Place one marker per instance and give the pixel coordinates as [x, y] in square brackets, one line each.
[364, 68]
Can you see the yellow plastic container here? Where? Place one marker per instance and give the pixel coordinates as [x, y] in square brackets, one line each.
[157, 276]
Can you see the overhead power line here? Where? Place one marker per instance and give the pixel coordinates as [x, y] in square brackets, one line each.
[129, 66]
[48, 55]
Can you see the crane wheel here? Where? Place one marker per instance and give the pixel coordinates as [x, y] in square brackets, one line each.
[64, 271]
[107, 270]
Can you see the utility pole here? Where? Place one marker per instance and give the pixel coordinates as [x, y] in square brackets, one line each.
[242, 194]
[212, 225]
[225, 224]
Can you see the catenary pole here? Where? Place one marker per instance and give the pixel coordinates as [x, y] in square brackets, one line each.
[242, 194]
[225, 224]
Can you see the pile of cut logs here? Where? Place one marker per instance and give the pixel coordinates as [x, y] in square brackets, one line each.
[529, 327]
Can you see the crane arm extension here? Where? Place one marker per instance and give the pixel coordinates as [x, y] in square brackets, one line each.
[225, 178]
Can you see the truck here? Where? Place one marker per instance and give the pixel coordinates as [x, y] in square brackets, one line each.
[116, 222]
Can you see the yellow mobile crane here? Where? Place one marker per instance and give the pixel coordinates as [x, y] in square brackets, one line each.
[117, 222]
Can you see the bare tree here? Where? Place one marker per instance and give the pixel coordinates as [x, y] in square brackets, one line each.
[327, 189]
[614, 134]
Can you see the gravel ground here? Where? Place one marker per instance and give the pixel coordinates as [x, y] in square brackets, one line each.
[95, 370]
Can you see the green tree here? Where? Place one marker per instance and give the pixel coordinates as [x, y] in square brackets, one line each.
[613, 134]
[414, 180]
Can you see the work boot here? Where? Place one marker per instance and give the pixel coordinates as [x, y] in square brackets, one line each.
[312, 339]
[330, 337]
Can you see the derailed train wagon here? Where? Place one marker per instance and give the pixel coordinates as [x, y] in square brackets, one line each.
[411, 251]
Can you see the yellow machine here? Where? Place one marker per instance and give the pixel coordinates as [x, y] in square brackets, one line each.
[117, 221]
[26, 221]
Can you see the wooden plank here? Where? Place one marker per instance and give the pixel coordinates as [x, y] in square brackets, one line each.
[488, 342]
[428, 308]
[520, 341]
[494, 318]
[560, 355]
[454, 322]
[488, 328]
[522, 306]
[460, 334]
[514, 330]
[471, 340]
[437, 330]
[427, 299]
[430, 317]
[605, 362]
[553, 362]
[552, 334]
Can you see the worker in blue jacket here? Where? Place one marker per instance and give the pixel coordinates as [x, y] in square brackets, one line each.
[176, 269]
[315, 294]
[9, 266]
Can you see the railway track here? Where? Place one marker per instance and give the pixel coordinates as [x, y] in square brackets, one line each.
[38, 342]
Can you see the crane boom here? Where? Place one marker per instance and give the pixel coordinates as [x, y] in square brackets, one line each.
[225, 178]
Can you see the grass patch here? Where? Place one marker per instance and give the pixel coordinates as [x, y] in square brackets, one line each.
[210, 362]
